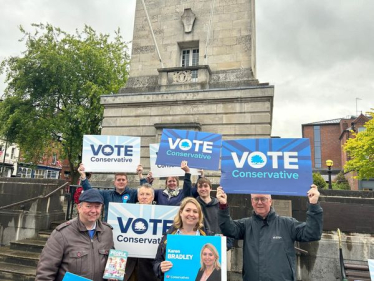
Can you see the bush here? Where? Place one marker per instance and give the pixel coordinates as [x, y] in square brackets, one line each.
[341, 182]
[319, 181]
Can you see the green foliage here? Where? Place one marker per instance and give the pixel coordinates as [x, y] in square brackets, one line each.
[319, 181]
[360, 150]
[54, 88]
[341, 182]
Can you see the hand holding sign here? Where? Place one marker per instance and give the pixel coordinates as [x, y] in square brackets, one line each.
[221, 196]
[165, 266]
[184, 167]
[313, 194]
[81, 171]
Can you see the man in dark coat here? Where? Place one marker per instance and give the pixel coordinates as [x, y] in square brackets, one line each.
[268, 239]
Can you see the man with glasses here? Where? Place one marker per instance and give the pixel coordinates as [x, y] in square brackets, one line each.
[268, 248]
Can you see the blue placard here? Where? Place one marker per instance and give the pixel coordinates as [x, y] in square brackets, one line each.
[186, 253]
[266, 166]
[200, 149]
[72, 277]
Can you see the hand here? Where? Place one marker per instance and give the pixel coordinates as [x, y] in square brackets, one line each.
[81, 171]
[313, 194]
[184, 167]
[201, 172]
[221, 196]
[165, 266]
[150, 178]
[139, 169]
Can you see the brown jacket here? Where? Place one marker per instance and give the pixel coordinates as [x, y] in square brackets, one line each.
[70, 248]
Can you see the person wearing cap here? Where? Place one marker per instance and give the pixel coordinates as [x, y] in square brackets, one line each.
[80, 246]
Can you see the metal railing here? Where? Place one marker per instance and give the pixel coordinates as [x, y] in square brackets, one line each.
[34, 198]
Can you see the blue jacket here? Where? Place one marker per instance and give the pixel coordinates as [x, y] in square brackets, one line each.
[163, 199]
[130, 195]
[268, 244]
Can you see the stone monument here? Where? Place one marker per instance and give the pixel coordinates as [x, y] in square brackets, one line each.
[193, 67]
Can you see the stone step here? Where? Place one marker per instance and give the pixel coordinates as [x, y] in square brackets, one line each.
[44, 234]
[29, 245]
[54, 224]
[17, 272]
[8, 255]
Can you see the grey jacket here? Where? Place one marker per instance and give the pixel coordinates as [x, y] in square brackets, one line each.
[268, 244]
[70, 248]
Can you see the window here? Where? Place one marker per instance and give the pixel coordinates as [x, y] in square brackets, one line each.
[190, 57]
[317, 147]
[361, 129]
[12, 153]
[24, 172]
[54, 159]
[52, 174]
[39, 174]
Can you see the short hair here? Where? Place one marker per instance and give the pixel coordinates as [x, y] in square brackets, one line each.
[201, 181]
[147, 186]
[213, 249]
[119, 174]
[177, 219]
[176, 178]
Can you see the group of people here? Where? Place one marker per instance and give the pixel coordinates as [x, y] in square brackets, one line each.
[81, 246]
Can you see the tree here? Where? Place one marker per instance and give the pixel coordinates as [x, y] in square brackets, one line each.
[54, 88]
[319, 181]
[360, 152]
[341, 182]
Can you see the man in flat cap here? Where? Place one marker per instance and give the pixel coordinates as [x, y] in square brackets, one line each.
[80, 246]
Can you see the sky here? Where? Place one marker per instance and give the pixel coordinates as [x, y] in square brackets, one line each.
[319, 55]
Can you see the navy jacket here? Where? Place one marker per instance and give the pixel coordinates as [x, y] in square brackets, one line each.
[130, 195]
[163, 199]
[268, 244]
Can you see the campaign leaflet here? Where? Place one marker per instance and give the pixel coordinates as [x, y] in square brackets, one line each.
[371, 268]
[159, 171]
[115, 265]
[110, 154]
[138, 228]
[201, 150]
[266, 166]
[72, 277]
[189, 255]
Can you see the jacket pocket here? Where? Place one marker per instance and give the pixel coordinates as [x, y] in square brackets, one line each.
[78, 261]
[103, 256]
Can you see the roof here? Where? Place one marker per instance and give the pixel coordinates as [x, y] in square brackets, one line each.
[332, 121]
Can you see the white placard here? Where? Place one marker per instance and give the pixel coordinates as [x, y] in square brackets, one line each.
[159, 171]
[138, 228]
[110, 154]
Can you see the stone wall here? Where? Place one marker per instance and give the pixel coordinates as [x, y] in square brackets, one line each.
[24, 221]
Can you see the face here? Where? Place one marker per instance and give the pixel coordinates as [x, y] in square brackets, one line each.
[208, 257]
[145, 195]
[261, 204]
[204, 190]
[172, 183]
[120, 183]
[190, 215]
[89, 212]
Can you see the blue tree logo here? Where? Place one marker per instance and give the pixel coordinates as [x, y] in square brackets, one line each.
[258, 159]
[186, 145]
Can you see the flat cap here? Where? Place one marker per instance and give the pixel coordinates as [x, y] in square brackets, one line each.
[91, 196]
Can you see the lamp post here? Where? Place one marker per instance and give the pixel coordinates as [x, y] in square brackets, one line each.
[329, 164]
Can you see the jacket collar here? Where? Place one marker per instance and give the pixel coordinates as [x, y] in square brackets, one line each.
[82, 227]
[271, 215]
[213, 202]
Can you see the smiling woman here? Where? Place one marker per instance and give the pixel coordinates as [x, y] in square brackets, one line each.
[188, 221]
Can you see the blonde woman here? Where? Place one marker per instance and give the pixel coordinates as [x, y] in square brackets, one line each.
[188, 221]
[210, 269]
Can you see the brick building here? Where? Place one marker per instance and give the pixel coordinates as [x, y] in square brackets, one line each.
[327, 139]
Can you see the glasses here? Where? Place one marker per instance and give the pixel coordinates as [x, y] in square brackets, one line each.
[258, 199]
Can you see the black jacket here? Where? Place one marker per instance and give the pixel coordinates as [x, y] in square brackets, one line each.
[215, 276]
[161, 250]
[268, 244]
